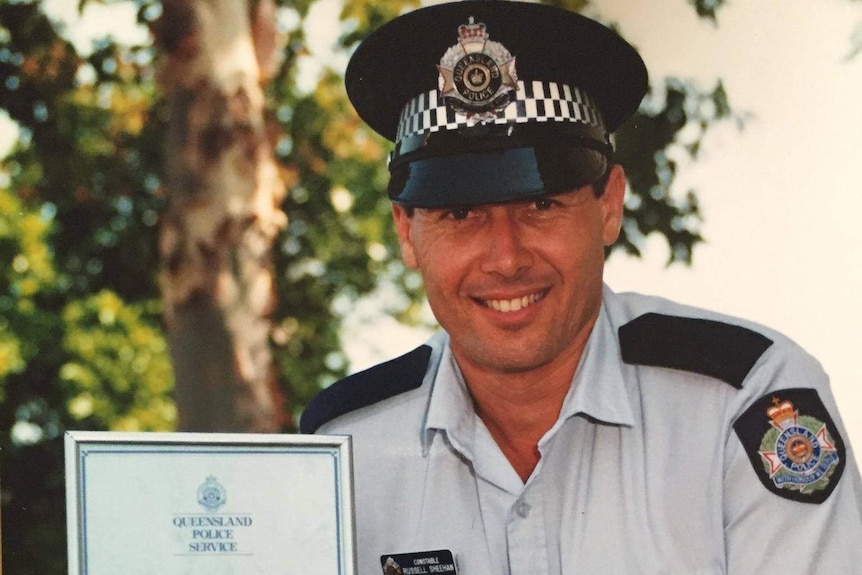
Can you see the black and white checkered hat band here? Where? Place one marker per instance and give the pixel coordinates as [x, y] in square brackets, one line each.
[534, 102]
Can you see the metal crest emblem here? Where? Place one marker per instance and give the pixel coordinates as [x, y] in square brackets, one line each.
[797, 451]
[391, 567]
[211, 494]
[477, 76]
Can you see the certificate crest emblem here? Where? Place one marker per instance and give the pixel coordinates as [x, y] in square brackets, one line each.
[211, 494]
[477, 76]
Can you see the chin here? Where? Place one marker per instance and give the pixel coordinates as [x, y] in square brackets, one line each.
[503, 362]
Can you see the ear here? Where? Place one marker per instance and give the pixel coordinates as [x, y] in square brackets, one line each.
[404, 228]
[612, 204]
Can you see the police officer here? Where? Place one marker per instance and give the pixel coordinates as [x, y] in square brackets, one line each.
[554, 426]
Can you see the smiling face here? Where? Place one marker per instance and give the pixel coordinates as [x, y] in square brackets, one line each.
[517, 286]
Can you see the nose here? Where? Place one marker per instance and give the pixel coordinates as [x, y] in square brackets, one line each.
[507, 253]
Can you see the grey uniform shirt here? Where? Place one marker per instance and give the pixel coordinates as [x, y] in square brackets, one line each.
[643, 472]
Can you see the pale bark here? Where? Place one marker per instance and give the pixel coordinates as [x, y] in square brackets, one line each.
[224, 192]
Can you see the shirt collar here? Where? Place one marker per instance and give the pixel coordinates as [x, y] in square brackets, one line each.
[599, 389]
[450, 408]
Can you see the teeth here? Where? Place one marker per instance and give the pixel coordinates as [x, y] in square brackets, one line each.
[507, 305]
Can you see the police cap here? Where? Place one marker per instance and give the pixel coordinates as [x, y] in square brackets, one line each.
[494, 101]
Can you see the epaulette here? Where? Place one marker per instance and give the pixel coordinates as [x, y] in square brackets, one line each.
[708, 347]
[366, 388]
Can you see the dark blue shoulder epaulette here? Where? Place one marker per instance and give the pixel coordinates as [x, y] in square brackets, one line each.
[712, 348]
[366, 388]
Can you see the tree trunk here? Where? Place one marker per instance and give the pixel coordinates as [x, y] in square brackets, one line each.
[223, 192]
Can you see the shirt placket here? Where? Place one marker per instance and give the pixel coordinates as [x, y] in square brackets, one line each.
[526, 534]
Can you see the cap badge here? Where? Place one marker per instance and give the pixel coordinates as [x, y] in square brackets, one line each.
[477, 76]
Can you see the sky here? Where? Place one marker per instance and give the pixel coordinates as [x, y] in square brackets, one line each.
[780, 198]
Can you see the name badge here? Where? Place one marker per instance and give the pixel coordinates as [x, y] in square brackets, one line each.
[420, 563]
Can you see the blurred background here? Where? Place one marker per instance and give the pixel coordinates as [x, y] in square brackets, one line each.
[194, 234]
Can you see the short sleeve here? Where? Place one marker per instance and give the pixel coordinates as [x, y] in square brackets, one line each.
[792, 491]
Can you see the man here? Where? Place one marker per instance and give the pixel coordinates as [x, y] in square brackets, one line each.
[553, 426]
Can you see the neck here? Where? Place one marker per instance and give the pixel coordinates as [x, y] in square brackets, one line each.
[519, 408]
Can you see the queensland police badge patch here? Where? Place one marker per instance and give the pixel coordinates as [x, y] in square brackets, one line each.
[793, 444]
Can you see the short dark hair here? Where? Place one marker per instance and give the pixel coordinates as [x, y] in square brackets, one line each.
[601, 184]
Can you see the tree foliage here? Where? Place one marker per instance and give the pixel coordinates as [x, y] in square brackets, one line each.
[81, 338]
[707, 8]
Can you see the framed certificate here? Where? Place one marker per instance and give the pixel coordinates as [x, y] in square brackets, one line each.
[209, 504]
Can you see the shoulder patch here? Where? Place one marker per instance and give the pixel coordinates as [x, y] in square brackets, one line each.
[793, 444]
[712, 348]
[366, 388]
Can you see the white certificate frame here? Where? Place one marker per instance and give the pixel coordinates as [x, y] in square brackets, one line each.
[146, 500]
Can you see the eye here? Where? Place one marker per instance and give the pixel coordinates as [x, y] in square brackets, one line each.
[457, 214]
[543, 204]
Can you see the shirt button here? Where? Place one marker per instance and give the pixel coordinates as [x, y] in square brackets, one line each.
[522, 508]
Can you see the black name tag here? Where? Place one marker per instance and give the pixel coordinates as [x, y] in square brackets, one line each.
[419, 563]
